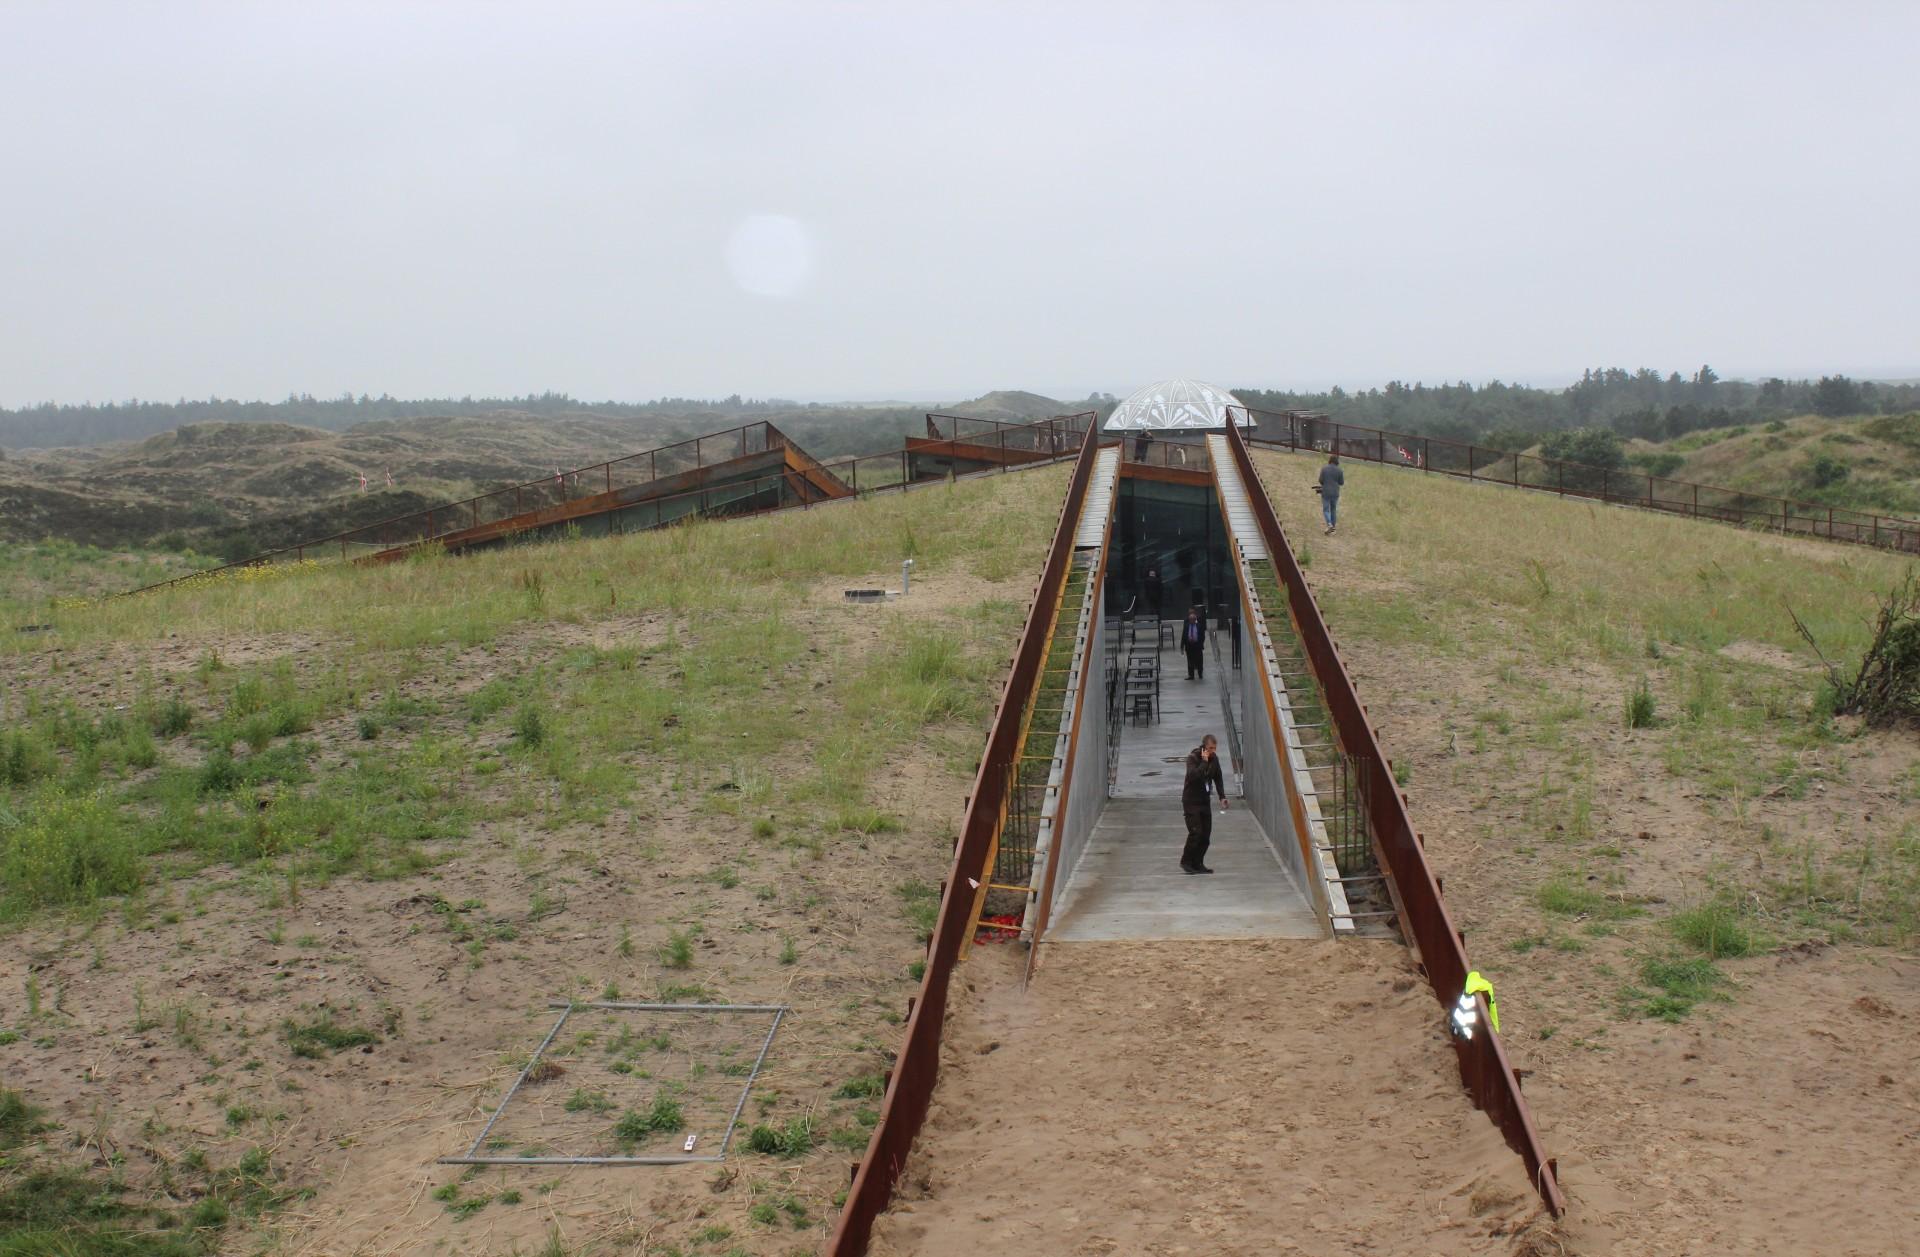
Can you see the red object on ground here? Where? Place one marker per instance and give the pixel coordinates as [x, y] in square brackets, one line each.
[987, 935]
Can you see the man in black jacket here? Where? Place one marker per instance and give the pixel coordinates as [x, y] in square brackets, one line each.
[1203, 779]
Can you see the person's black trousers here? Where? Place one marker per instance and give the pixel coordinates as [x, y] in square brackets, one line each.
[1196, 662]
[1199, 838]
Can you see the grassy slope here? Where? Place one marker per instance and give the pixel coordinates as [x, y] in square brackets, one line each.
[1882, 456]
[672, 763]
[1721, 876]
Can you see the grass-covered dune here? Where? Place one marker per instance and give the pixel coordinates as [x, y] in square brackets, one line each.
[1695, 891]
[291, 866]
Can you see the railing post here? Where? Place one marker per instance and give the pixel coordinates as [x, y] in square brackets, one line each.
[1696, 499]
[1829, 522]
[1560, 477]
[609, 477]
[1606, 485]
[1649, 488]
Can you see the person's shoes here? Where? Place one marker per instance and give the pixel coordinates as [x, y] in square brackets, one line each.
[1329, 530]
[1199, 868]
[1188, 868]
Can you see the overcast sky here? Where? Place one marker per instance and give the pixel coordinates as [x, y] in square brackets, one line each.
[922, 200]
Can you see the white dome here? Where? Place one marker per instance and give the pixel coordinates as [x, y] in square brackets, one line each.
[1174, 404]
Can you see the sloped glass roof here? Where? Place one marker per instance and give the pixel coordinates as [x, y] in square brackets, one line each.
[1174, 404]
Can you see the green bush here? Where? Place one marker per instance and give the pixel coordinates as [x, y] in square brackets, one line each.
[1715, 928]
[64, 849]
[170, 719]
[663, 1118]
[1827, 470]
[530, 726]
[795, 1138]
[1640, 709]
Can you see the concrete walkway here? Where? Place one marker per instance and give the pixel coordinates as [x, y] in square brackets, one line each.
[1128, 884]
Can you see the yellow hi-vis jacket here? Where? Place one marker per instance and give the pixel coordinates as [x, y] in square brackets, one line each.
[1477, 985]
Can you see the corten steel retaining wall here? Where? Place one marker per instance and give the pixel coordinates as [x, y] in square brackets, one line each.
[539, 503]
[910, 1082]
[1484, 1068]
[1293, 430]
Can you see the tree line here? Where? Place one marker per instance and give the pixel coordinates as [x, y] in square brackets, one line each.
[1641, 403]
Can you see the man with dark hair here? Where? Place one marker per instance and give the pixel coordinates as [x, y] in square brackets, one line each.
[1204, 782]
[1331, 479]
[1193, 640]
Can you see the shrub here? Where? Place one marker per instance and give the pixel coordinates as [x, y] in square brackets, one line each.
[1827, 470]
[530, 726]
[1715, 928]
[1640, 710]
[677, 951]
[1660, 463]
[66, 849]
[170, 719]
[220, 773]
[637, 1127]
[19, 1121]
[25, 758]
[1596, 450]
[1885, 688]
[795, 1138]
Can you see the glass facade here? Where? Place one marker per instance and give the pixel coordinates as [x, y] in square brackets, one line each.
[1170, 541]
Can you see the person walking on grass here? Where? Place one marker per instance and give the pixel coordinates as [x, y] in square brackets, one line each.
[1205, 782]
[1193, 640]
[1331, 478]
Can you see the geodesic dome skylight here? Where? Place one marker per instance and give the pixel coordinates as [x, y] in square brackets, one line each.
[1174, 404]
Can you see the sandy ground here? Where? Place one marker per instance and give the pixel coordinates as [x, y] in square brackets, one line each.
[1205, 1098]
[225, 956]
[1783, 1120]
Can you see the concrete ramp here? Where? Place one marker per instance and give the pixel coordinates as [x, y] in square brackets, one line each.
[1128, 883]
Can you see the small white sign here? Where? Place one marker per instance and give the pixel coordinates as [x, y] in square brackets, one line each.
[691, 1140]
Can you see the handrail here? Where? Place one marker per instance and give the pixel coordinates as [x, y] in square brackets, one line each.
[910, 1083]
[771, 438]
[1578, 480]
[1484, 1068]
[451, 511]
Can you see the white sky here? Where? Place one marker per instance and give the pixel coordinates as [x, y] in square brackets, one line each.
[929, 200]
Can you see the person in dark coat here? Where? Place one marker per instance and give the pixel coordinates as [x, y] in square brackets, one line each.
[1204, 783]
[1193, 640]
[1332, 479]
[1154, 591]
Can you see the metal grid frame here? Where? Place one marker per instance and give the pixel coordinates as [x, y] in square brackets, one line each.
[472, 1156]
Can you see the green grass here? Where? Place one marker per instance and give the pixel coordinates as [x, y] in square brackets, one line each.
[1675, 985]
[1717, 928]
[793, 1138]
[677, 951]
[1562, 896]
[320, 1037]
[662, 1118]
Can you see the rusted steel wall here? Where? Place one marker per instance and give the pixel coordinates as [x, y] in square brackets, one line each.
[1483, 1062]
[910, 1083]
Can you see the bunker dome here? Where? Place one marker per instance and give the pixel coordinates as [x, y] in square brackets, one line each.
[1173, 404]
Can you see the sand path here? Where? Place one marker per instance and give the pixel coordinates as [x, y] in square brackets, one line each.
[1264, 1097]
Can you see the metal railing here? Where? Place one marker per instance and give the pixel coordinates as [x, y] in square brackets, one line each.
[1484, 1068]
[499, 505]
[553, 502]
[1299, 430]
[1055, 435]
[903, 1109]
